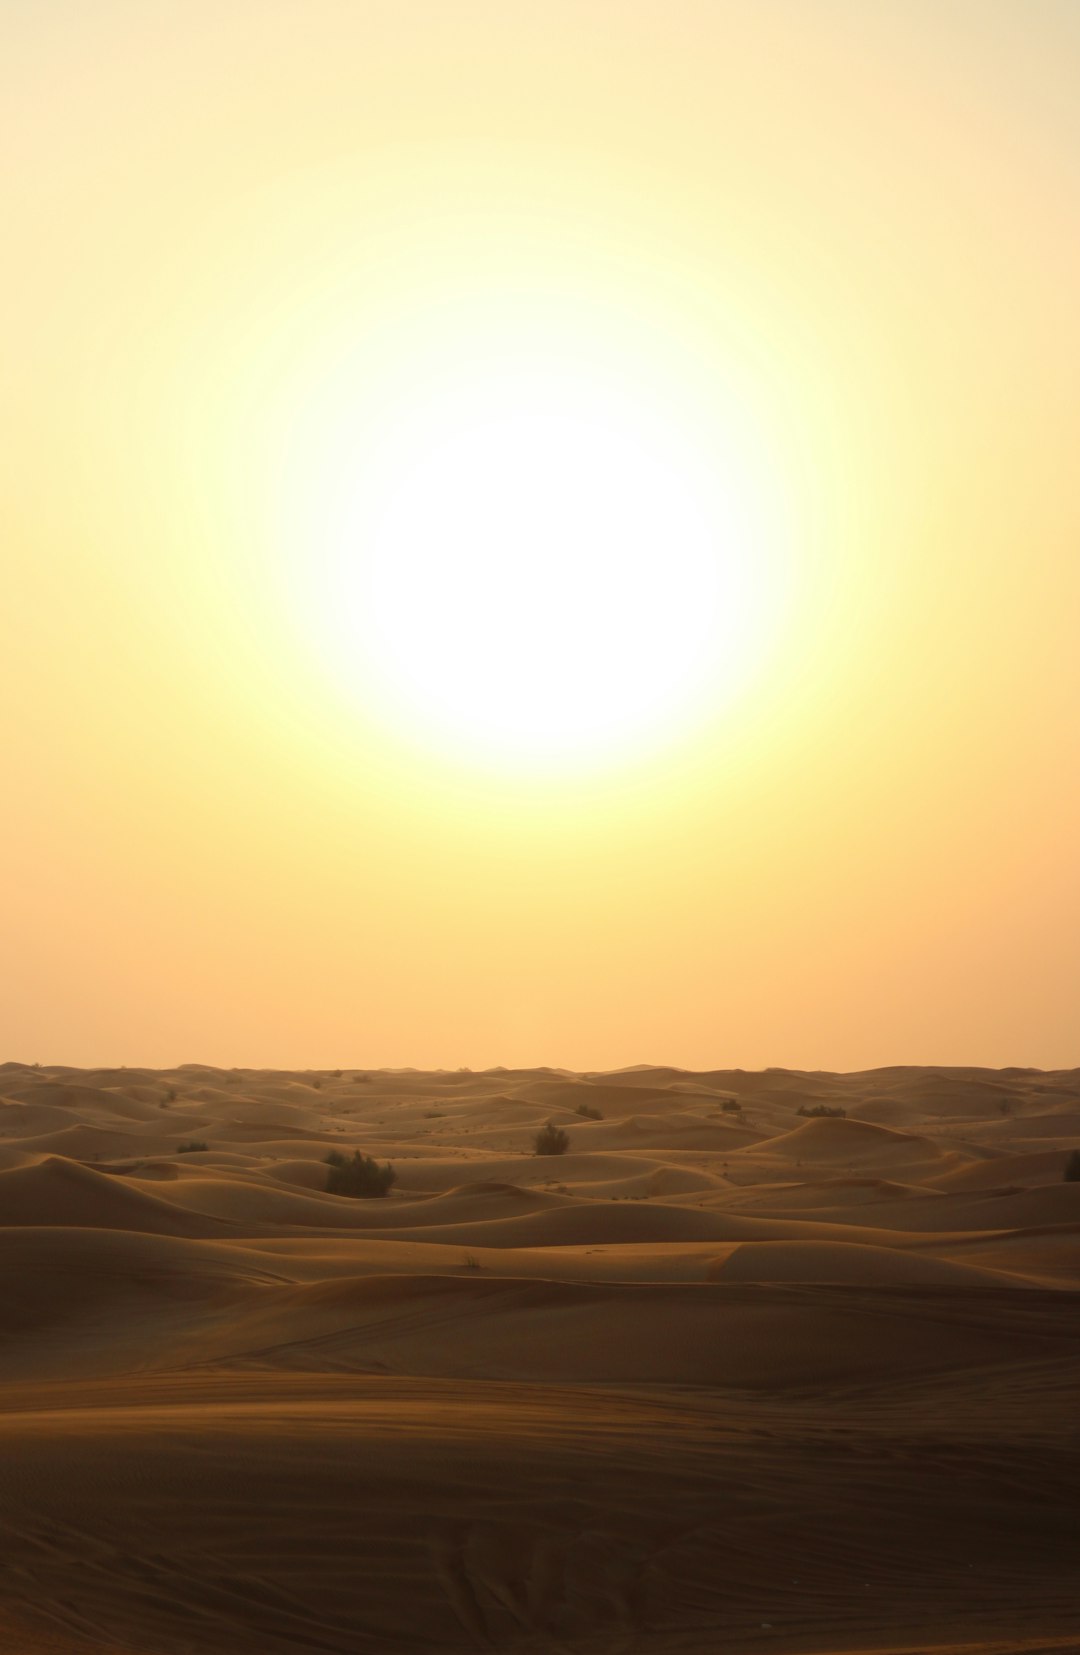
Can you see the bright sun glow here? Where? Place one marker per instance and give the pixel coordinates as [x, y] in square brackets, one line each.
[530, 565]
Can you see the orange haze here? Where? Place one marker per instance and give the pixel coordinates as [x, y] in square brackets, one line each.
[239, 233]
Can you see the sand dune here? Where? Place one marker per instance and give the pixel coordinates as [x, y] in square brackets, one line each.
[19, 1119]
[852, 1143]
[1008, 1209]
[831, 1261]
[999, 1171]
[86, 1101]
[718, 1378]
[59, 1192]
[90, 1143]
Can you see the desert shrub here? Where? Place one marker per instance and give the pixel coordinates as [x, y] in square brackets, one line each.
[193, 1147]
[821, 1111]
[317, 1083]
[1072, 1168]
[589, 1111]
[731, 1106]
[470, 1262]
[170, 1096]
[336, 1159]
[361, 1176]
[551, 1140]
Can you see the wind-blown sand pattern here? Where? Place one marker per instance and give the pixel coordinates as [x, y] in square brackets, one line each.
[722, 1377]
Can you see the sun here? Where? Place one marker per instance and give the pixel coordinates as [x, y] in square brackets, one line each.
[532, 564]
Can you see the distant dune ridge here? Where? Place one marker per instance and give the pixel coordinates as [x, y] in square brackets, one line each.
[719, 1377]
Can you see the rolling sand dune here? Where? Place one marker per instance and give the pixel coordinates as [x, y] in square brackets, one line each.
[61, 1193]
[1010, 1208]
[722, 1377]
[88, 1143]
[852, 1142]
[831, 1261]
[1040, 1166]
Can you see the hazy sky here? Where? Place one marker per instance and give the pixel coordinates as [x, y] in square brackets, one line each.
[575, 289]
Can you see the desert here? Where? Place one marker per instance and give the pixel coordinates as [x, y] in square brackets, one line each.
[728, 1373]
[539, 901]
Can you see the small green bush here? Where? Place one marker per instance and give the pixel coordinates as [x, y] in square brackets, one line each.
[361, 1176]
[551, 1140]
[193, 1148]
[731, 1106]
[1072, 1168]
[589, 1111]
[336, 1159]
[821, 1111]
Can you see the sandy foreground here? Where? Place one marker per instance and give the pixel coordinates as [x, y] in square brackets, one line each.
[724, 1377]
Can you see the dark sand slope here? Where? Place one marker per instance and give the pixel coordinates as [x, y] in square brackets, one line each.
[719, 1379]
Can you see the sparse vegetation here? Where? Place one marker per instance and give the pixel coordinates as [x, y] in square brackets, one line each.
[589, 1111]
[193, 1148]
[170, 1096]
[731, 1106]
[317, 1083]
[1072, 1168]
[821, 1111]
[470, 1262]
[551, 1140]
[360, 1176]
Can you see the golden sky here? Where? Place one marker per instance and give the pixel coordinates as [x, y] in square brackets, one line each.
[541, 533]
